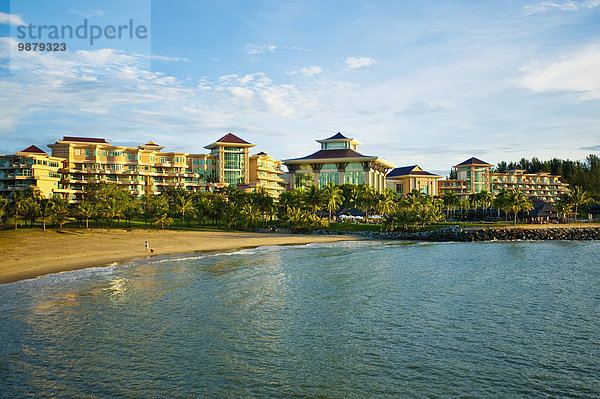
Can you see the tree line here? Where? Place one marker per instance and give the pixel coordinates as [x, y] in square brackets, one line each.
[302, 209]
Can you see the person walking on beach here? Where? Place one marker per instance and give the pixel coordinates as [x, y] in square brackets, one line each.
[147, 246]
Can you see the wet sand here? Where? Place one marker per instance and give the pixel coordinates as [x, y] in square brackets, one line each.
[31, 253]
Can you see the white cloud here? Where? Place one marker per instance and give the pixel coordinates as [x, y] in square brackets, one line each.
[11, 19]
[545, 6]
[307, 71]
[162, 58]
[260, 48]
[359, 62]
[576, 72]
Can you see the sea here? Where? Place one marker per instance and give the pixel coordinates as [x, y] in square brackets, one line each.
[356, 319]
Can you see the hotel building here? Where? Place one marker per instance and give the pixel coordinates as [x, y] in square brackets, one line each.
[339, 162]
[408, 178]
[265, 172]
[474, 175]
[541, 185]
[148, 169]
[30, 168]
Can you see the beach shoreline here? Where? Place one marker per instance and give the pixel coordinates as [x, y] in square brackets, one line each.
[32, 253]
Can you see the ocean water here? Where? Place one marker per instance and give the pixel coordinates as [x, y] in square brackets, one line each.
[341, 320]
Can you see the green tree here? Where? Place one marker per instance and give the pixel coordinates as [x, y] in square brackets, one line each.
[451, 201]
[251, 215]
[60, 212]
[332, 196]
[4, 210]
[46, 210]
[577, 196]
[163, 219]
[386, 202]
[312, 197]
[516, 201]
[184, 205]
[85, 210]
[19, 204]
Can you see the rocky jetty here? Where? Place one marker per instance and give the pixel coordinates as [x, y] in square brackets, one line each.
[457, 233]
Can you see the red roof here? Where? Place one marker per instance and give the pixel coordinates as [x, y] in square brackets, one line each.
[33, 149]
[330, 154]
[474, 161]
[84, 139]
[408, 170]
[231, 138]
[337, 136]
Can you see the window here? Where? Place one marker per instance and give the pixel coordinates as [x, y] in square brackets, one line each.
[234, 160]
[335, 146]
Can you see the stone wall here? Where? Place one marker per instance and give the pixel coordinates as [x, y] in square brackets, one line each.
[457, 233]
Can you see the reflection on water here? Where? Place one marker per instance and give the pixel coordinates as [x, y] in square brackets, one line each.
[356, 319]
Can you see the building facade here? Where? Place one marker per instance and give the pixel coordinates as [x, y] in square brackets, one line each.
[30, 168]
[265, 172]
[339, 162]
[541, 185]
[475, 175]
[148, 169]
[405, 179]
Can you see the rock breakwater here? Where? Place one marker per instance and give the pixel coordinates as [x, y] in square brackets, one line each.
[457, 233]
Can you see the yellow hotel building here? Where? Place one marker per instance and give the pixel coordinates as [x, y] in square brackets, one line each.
[408, 178]
[475, 175]
[30, 168]
[148, 169]
[265, 172]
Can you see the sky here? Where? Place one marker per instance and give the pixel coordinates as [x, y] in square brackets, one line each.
[430, 83]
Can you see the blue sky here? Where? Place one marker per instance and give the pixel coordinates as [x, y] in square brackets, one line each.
[429, 83]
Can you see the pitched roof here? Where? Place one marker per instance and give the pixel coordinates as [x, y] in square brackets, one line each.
[33, 149]
[152, 143]
[231, 138]
[408, 170]
[473, 161]
[262, 153]
[330, 154]
[542, 209]
[84, 139]
[337, 136]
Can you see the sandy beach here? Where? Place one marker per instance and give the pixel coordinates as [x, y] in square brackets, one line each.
[31, 253]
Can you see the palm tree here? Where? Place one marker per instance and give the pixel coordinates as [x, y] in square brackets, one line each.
[3, 210]
[474, 202]
[332, 196]
[427, 213]
[251, 214]
[163, 220]
[112, 209]
[18, 205]
[32, 210]
[203, 205]
[451, 200]
[184, 205]
[577, 197]
[263, 201]
[46, 209]
[60, 212]
[230, 214]
[516, 201]
[85, 210]
[386, 202]
[365, 198]
[485, 198]
[312, 197]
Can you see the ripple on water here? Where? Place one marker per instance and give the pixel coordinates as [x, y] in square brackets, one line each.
[357, 319]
